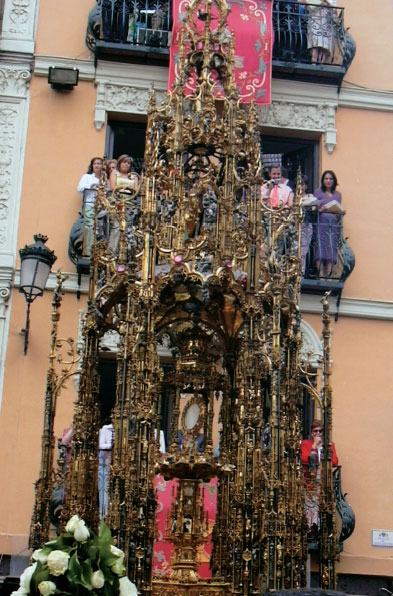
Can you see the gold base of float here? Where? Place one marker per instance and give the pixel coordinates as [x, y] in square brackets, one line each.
[171, 588]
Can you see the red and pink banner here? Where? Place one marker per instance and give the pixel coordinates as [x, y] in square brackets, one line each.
[251, 21]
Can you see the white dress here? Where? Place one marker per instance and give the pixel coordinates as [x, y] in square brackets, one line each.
[320, 29]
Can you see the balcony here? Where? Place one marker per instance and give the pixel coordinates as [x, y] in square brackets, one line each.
[310, 42]
[345, 518]
[327, 258]
[131, 31]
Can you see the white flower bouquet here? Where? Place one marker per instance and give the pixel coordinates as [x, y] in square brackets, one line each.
[77, 563]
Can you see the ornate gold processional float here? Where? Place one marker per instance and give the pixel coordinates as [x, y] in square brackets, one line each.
[200, 282]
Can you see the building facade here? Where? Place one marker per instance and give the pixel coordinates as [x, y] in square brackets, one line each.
[321, 118]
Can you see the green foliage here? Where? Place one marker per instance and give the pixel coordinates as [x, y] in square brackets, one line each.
[85, 558]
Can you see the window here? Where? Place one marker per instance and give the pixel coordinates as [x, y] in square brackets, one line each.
[127, 137]
[293, 152]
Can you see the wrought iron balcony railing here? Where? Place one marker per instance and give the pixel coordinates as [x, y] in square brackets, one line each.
[311, 35]
[139, 24]
[327, 258]
[345, 515]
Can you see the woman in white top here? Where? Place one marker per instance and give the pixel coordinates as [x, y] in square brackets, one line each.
[91, 180]
[88, 187]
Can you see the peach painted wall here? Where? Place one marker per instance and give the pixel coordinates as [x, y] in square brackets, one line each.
[61, 140]
[362, 381]
[363, 153]
[62, 27]
[370, 24]
[22, 412]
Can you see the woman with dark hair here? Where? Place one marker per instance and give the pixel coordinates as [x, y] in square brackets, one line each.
[122, 178]
[91, 179]
[326, 229]
[88, 187]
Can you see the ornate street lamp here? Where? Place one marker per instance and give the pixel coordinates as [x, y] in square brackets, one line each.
[36, 263]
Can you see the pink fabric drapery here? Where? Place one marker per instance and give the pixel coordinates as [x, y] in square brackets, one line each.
[251, 21]
[163, 550]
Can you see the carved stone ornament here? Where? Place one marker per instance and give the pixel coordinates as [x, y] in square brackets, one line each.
[5, 290]
[121, 98]
[301, 116]
[110, 341]
[14, 81]
[19, 18]
[311, 347]
[8, 130]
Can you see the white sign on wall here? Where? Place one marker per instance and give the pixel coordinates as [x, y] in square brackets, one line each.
[382, 538]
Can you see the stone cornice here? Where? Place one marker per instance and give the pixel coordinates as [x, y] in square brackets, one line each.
[366, 99]
[135, 75]
[349, 307]
[85, 67]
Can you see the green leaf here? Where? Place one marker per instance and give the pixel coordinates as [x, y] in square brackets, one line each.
[86, 574]
[74, 573]
[92, 552]
[40, 574]
[104, 535]
[111, 588]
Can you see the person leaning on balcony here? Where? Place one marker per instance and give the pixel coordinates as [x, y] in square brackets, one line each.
[122, 178]
[88, 187]
[110, 165]
[320, 29]
[326, 229]
[310, 205]
[311, 457]
[89, 181]
[124, 182]
[275, 192]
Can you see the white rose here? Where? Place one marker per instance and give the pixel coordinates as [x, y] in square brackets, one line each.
[97, 579]
[39, 555]
[127, 588]
[116, 551]
[57, 562]
[25, 579]
[46, 588]
[118, 568]
[81, 533]
[71, 523]
[19, 592]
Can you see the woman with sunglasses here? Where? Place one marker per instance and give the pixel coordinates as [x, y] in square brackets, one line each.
[311, 458]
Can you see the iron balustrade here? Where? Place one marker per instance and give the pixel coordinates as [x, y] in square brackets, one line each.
[297, 28]
[327, 259]
[134, 22]
[323, 247]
